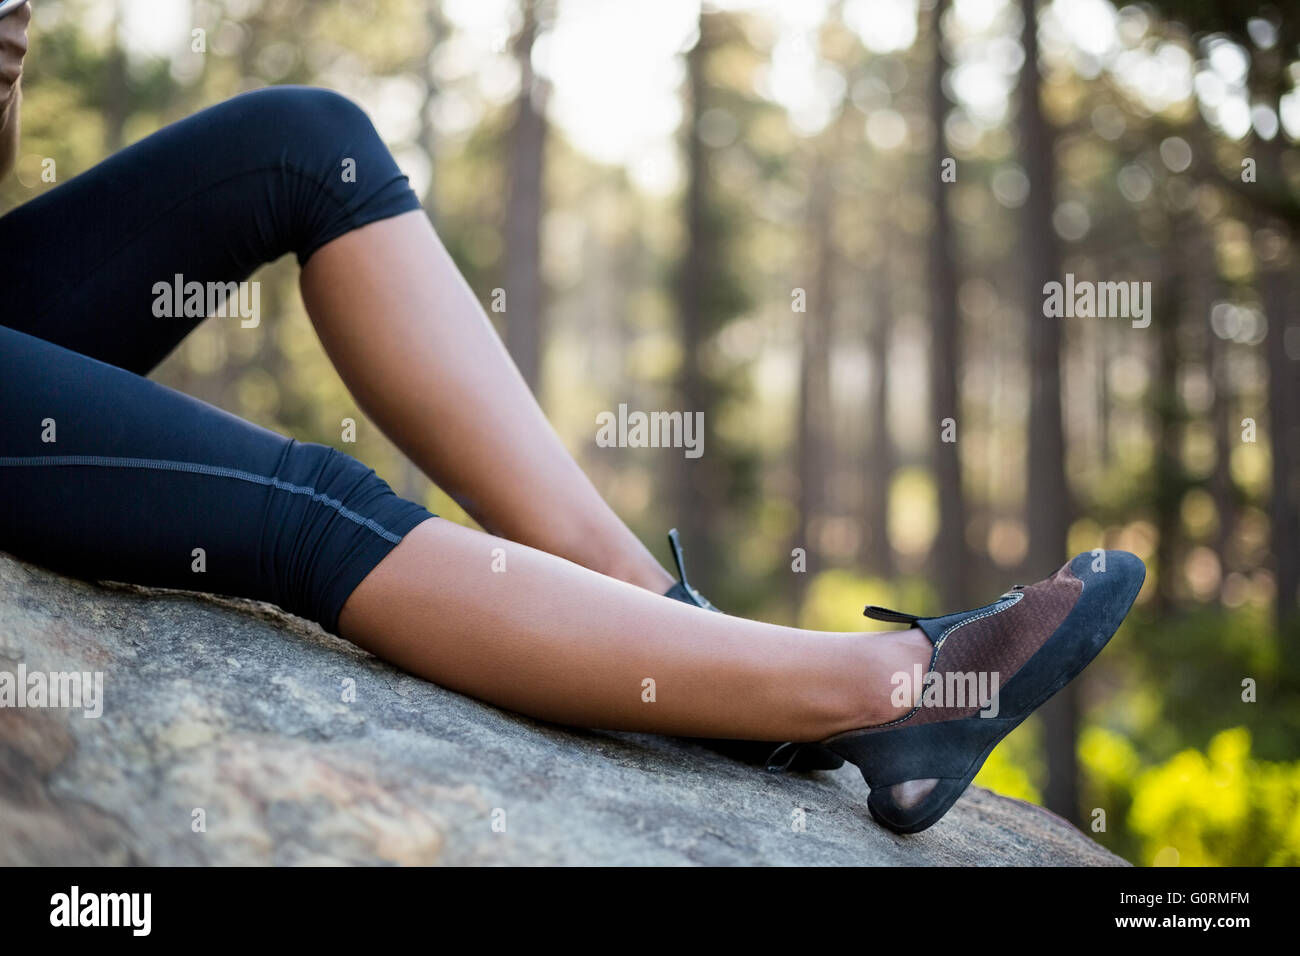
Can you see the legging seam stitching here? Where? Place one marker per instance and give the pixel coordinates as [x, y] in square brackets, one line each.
[218, 471]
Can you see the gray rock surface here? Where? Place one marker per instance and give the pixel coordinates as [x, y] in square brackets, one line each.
[236, 710]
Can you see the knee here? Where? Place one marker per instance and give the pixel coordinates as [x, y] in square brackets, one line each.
[324, 167]
[332, 520]
[308, 119]
[325, 111]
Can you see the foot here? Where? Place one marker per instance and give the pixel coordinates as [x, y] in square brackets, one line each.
[990, 668]
[770, 754]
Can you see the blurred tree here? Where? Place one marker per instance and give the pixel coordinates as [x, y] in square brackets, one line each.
[1208, 288]
[116, 89]
[949, 557]
[525, 297]
[813, 444]
[1047, 515]
[422, 68]
[878, 555]
[1170, 482]
[709, 290]
[698, 490]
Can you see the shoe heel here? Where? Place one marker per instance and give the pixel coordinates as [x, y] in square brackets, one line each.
[915, 817]
[949, 753]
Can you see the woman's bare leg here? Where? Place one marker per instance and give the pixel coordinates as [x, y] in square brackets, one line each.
[546, 636]
[554, 640]
[417, 351]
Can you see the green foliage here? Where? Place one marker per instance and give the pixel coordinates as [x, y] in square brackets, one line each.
[1194, 662]
[1213, 808]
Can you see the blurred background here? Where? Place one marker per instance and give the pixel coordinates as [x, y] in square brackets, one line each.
[740, 209]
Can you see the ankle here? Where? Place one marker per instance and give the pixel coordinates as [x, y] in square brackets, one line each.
[897, 660]
[854, 688]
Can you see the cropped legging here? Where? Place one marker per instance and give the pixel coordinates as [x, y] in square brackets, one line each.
[106, 475]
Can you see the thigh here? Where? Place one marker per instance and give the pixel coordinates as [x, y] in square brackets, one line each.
[205, 200]
[107, 475]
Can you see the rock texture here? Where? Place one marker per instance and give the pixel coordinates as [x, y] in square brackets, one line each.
[234, 715]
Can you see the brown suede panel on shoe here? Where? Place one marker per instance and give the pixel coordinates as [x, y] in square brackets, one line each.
[1001, 643]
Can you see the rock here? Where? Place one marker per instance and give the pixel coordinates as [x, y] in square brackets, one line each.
[233, 714]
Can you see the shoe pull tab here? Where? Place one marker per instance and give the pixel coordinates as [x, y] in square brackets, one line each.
[885, 614]
[675, 544]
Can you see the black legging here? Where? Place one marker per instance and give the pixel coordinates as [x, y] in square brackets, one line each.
[107, 475]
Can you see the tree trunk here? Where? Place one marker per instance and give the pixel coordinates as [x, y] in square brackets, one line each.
[813, 418]
[1277, 288]
[1048, 511]
[1214, 355]
[1104, 429]
[948, 558]
[426, 136]
[1169, 483]
[1277, 291]
[117, 87]
[524, 322]
[878, 555]
[698, 484]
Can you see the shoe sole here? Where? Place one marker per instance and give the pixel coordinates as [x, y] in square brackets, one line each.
[815, 757]
[758, 753]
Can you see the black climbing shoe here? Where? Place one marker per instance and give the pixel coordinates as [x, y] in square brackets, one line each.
[1025, 646]
[787, 756]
